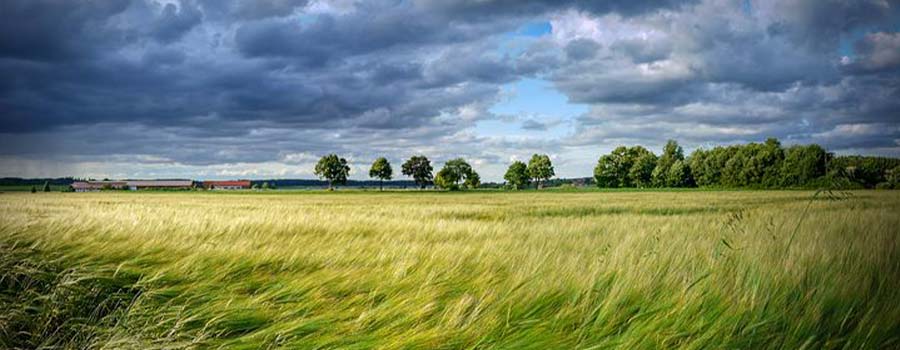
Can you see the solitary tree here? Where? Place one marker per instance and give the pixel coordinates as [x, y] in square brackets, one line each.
[33, 189]
[46, 186]
[381, 170]
[419, 168]
[454, 171]
[517, 175]
[540, 169]
[334, 169]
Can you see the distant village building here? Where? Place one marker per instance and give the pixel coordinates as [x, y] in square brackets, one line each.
[226, 185]
[91, 186]
[160, 185]
[134, 185]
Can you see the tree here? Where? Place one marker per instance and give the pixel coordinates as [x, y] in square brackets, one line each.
[613, 169]
[671, 152]
[802, 165]
[443, 179]
[473, 180]
[642, 164]
[46, 186]
[892, 178]
[517, 175]
[454, 171]
[769, 159]
[334, 169]
[266, 185]
[419, 168]
[381, 170]
[540, 169]
[679, 175]
[33, 189]
[605, 172]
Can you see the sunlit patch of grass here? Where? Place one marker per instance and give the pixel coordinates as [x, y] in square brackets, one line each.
[521, 270]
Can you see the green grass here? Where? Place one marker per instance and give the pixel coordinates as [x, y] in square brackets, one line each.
[518, 270]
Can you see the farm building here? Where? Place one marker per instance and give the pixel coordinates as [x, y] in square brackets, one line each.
[135, 185]
[226, 185]
[91, 186]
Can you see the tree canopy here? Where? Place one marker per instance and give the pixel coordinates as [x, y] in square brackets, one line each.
[454, 171]
[625, 167]
[755, 165]
[672, 152]
[517, 175]
[381, 170]
[419, 168]
[540, 169]
[334, 169]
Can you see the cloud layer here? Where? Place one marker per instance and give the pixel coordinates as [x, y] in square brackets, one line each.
[212, 89]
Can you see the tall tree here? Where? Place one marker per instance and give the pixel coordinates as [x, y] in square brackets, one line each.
[671, 152]
[333, 168]
[612, 169]
[802, 164]
[642, 164]
[517, 175]
[540, 169]
[419, 168]
[679, 175]
[381, 170]
[454, 171]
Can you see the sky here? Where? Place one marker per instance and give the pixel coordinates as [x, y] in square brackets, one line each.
[253, 89]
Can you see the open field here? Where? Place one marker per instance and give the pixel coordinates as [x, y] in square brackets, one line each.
[450, 270]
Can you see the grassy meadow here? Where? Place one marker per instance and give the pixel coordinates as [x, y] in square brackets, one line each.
[407, 270]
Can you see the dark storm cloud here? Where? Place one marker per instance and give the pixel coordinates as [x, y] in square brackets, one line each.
[205, 82]
[877, 53]
[480, 9]
[819, 24]
[175, 21]
[371, 28]
[47, 30]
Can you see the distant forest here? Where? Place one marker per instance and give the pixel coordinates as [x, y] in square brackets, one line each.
[766, 165]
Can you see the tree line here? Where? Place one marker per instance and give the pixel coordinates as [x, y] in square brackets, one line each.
[753, 165]
[457, 174]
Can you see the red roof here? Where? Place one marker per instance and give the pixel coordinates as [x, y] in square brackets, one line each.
[243, 183]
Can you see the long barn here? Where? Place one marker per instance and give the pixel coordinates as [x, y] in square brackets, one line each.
[226, 185]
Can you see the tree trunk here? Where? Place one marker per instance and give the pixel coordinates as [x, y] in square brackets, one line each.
[540, 184]
[381, 185]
